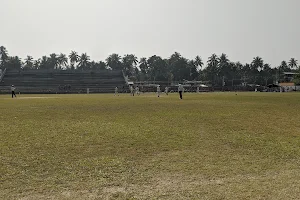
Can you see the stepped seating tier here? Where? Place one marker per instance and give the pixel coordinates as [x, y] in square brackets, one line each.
[62, 81]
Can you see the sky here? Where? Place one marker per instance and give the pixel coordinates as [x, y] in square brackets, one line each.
[243, 29]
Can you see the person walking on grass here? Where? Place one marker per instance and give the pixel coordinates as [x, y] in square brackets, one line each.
[137, 90]
[13, 94]
[158, 90]
[131, 91]
[180, 90]
[167, 90]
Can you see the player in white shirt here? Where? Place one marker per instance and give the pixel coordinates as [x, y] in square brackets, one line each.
[158, 90]
[116, 91]
[167, 90]
[180, 90]
[137, 90]
[13, 94]
[131, 90]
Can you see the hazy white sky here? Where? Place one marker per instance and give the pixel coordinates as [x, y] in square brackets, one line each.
[242, 29]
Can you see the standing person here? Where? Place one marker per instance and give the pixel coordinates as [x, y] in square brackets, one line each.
[13, 94]
[116, 91]
[137, 90]
[158, 90]
[167, 91]
[131, 90]
[180, 90]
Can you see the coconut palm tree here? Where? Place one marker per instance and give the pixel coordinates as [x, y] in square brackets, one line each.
[223, 65]
[14, 62]
[199, 62]
[293, 63]
[267, 73]
[129, 63]
[257, 63]
[102, 65]
[193, 69]
[178, 67]
[97, 65]
[157, 68]
[284, 67]
[53, 61]
[213, 60]
[114, 62]
[28, 63]
[36, 64]
[44, 63]
[212, 68]
[84, 61]
[143, 65]
[3, 57]
[62, 61]
[74, 57]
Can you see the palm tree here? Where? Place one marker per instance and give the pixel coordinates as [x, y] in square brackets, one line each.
[213, 60]
[284, 67]
[223, 58]
[98, 65]
[62, 60]
[293, 63]
[223, 64]
[133, 59]
[73, 58]
[28, 62]
[14, 62]
[113, 62]
[179, 67]
[267, 72]
[175, 57]
[281, 69]
[239, 68]
[193, 69]
[44, 62]
[157, 68]
[84, 61]
[129, 62]
[199, 62]
[257, 63]
[284, 64]
[53, 61]
[212, 68]
[143, 65]
[102, 65]
[36, 64]
[3, 57]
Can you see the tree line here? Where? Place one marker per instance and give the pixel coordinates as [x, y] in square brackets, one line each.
[216, 71]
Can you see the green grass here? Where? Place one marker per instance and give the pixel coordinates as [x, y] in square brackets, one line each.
[208, 146]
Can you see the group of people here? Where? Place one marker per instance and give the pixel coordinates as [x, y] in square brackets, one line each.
[180, 90]
[133, 91]
[136, 90]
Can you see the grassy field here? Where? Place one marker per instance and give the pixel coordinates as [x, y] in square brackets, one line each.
[208, 146]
